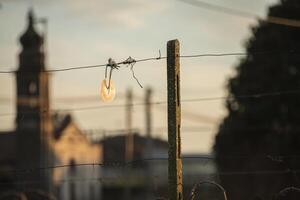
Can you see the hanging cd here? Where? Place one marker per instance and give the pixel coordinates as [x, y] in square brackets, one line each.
[108, 91]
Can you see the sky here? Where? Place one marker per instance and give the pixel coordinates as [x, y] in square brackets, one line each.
[88, 32]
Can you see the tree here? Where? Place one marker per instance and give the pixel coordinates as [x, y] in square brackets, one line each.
[257, 146]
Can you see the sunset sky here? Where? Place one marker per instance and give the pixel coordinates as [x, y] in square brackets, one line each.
[89, 32]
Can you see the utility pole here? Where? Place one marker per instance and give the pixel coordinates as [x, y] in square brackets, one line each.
[174, 121]
[129, 144]
[148, 152]
[148, 121]
[129, 139]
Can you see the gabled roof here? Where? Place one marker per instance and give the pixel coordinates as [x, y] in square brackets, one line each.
[60, 122]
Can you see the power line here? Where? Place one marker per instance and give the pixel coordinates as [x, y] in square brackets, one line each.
[122, 95]
[244, 14]
[254, 96]
[95, 97]
[126, 62]
[67, 99]
[103, 132]
[245, 96]
[219, 8]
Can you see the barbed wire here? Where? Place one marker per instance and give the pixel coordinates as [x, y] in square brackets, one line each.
[102, 180]
[126, 62]
[130, 61]
[207, 178]
[204, 158]
[197, 185]
[113, 178]
[287, 190]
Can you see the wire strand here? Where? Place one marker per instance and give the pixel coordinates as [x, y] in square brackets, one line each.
[122, 164]
[154, 59]
[86, 67]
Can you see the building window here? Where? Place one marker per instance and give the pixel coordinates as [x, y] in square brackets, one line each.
[32, 87]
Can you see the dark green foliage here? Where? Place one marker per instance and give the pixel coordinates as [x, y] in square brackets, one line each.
[259, 130]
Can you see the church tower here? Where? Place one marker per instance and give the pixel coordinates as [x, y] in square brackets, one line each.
[33, 120]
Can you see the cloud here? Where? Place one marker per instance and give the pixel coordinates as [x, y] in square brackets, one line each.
[130, 14]
[110, 13]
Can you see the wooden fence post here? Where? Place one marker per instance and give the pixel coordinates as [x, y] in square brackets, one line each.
[174, 121]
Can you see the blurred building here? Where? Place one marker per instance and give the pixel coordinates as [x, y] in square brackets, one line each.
[146, 176]
[42, 138]
[72, 147]
[133, 179]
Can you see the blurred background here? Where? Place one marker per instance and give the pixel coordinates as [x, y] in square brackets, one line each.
[239, 98]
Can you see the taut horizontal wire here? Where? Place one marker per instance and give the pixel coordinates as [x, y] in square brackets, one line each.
[154, 59]
[88, 66]
[120, 164]
[255, 96]
[156, 177]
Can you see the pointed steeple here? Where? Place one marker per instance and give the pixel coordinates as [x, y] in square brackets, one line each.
[30, 38]
[31, 56]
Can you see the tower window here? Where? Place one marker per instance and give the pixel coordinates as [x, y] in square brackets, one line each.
[32, 87]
